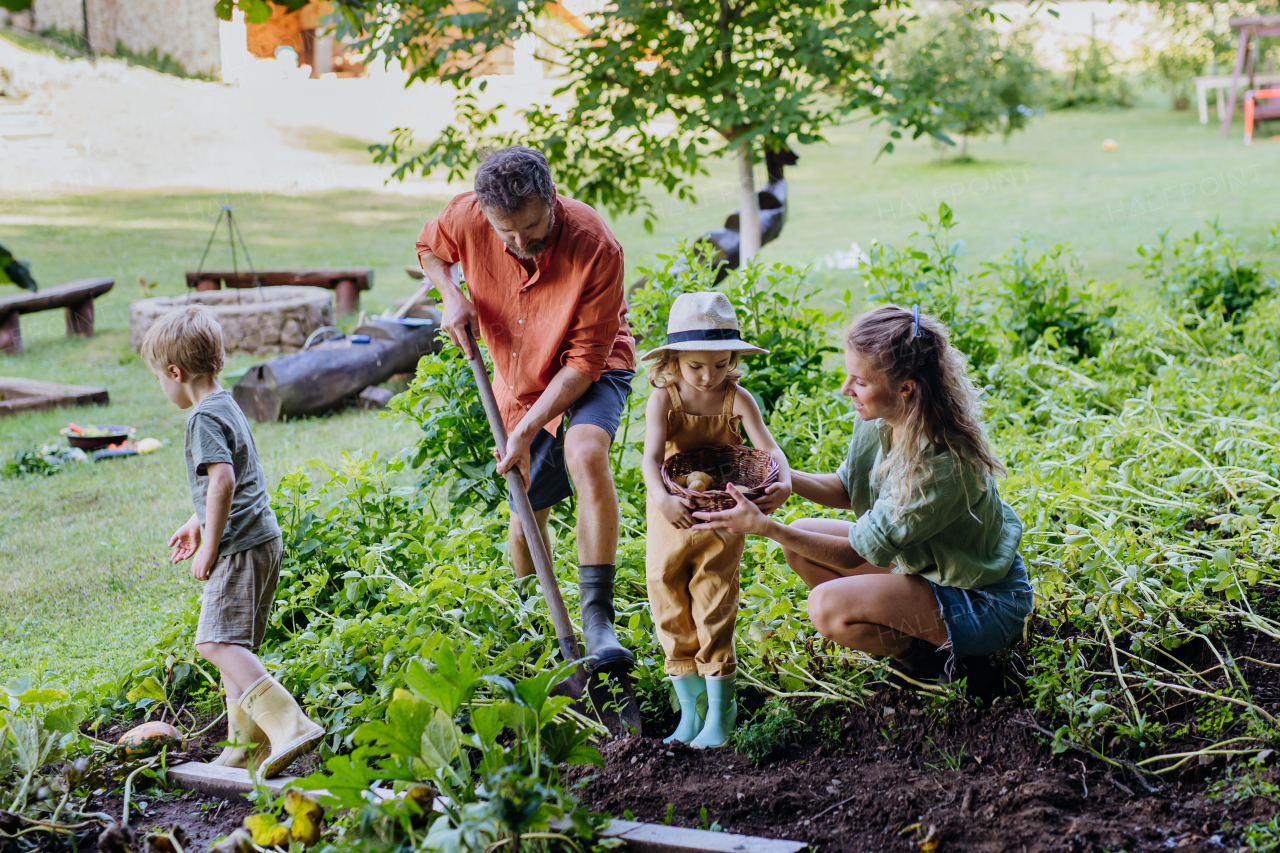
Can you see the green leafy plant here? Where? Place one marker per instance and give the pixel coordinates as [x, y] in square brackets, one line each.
[455, 452]
[45, 460]
[773, 728]
[1094, 78]
[1044, 298]
[931, 276]
[487, 749]
[983, 82]
[1207, 272]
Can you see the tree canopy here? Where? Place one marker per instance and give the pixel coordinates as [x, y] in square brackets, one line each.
[647, 90]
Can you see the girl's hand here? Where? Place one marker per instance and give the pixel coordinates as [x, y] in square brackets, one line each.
[774, 497]
[744, 518]
[676, 510]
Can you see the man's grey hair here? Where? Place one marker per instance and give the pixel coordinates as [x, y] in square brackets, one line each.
[509, 178]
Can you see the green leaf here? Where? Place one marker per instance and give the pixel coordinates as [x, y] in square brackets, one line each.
[150, 688]
[440, 741]
[66, 718]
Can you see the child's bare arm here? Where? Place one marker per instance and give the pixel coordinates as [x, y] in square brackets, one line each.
[776, 495]
[675, 510]
[222, 485]
[185, 541]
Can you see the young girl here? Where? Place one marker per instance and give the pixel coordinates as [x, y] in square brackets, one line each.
[930, 571]
[693, 575]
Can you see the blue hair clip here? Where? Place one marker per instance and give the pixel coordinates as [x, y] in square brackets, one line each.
[915, 318]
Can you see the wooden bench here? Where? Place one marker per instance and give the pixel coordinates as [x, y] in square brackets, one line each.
[76, 296]
[345, 283]
[32, 395]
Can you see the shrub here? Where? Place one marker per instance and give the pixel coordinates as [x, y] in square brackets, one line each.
[1094, 78]
[775, 726]
[931, 277]
[1043, 299]
[774, 305]
[455, 452]
[983, 81]
[1207, 272]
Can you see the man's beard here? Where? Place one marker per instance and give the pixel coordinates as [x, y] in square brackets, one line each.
[535, 247]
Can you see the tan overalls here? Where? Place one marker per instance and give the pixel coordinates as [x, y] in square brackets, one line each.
[692, 575]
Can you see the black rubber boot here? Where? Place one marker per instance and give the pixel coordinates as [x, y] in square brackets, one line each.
[595, 591]
[919, 667]
[983, 677]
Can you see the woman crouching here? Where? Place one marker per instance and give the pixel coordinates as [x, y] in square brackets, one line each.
[930, 571]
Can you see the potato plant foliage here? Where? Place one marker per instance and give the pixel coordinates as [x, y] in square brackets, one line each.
[1144, 453]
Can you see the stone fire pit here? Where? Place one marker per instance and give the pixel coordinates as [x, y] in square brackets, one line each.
[271, 319]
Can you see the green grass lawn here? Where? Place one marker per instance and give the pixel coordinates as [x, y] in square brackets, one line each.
[83, 576]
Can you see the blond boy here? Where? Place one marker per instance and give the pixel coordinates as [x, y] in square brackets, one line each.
[234, 538]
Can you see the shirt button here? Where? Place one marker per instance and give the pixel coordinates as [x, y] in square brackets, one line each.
[512, 387]
[513, 355]
[521, 322]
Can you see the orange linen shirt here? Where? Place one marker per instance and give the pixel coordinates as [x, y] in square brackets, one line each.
[570, 313]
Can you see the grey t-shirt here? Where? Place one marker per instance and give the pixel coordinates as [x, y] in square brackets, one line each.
[218, 432]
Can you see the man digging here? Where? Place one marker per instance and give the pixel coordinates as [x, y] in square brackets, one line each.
[544, 274]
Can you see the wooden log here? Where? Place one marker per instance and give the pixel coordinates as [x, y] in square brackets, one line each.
[31, 395]
[322, 378]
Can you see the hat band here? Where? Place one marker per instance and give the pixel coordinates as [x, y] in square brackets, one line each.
[703, 335]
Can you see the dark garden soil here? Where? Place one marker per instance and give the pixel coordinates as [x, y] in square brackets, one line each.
[895, 775]
[901, 773]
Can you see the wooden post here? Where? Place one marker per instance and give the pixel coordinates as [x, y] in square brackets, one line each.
[10, 334]
[348, 297]
[80, 319]
[208, 284]
[1242, 50]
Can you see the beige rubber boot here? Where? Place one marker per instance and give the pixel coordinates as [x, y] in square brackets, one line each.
[290, 731]
[240, 729]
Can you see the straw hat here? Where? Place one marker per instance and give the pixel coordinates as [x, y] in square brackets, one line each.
[703, 322]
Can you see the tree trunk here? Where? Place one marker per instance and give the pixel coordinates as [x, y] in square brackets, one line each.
[749, 207]
[964, 145]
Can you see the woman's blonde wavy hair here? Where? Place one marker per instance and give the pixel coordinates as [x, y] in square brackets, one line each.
[942, 411]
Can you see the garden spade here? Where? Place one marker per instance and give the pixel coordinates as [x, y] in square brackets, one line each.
[615, 704]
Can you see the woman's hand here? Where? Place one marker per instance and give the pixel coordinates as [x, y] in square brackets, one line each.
[676, 510]
[774, 497]
[744, 518]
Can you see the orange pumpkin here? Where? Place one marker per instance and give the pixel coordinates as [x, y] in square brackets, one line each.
[150, 738]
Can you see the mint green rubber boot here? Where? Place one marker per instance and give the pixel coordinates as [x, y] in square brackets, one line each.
[722, 713]
[688, 688]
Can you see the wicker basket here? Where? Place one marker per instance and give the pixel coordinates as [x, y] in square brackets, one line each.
[751, 472]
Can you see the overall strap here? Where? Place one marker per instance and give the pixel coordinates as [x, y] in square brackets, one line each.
[729, 397]
[675, 398]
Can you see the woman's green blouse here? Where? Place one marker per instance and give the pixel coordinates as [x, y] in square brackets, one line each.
[953, 530]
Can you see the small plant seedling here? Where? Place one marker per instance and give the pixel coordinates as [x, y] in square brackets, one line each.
[671, 813]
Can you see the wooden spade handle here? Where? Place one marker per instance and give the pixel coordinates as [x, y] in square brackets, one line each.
[524, 510]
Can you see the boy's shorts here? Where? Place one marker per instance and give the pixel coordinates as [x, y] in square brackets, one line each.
[602, 404]
[238, 596]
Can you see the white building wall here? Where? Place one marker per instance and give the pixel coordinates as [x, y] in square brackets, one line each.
[187, 30]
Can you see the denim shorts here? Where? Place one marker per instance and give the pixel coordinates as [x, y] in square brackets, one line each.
[985, 620]
[602, 404]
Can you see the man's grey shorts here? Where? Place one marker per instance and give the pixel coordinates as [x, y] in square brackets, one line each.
[602, 404]
[238, 596]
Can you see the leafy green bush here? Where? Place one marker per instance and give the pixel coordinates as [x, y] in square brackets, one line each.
[1207, 272]
[775, 309]
[488, 745]
[931, 276]
[983, 81]
[775, 726]
[1043, 299]
[455, 451]
[1094, 78]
